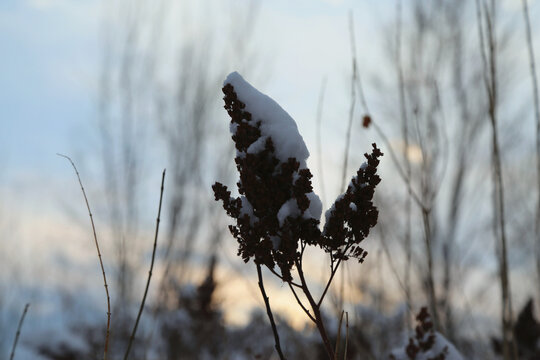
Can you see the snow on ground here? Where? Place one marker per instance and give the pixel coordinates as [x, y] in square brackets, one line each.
[441, 345]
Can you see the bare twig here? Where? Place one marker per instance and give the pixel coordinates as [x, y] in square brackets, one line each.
[405, 135]
[283, 279]
[316, 309]
[346, 335]
[132, 337]
[353, 103]
[402, 174]
[301, 304]
[393, 267]
[332, 273]
[319, 143]
[18, 331]
[269, 312]
[490, 77]
[336, 351]
[99, 256]
[537, 116]
[430, 273]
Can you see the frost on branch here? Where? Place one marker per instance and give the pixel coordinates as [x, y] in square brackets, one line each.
[277, 209]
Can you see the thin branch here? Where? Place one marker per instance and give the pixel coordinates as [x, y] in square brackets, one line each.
[269, 312]
[353, 103]
[482, 43]
[106, 349]
[405, 135]
[490, 71]
[301, 304]
[282, 278]
[430, 277]
[332, 273]
[537, 116]
[346, 335]
[319, 143]
[406, 289]
[316, 311]
[338, 340]
[18, 331]
[401, 172]
[132, 337]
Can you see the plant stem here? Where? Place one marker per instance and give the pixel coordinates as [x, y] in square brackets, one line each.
[132, 337]
[107, 335]
[537, 117]
[490, 78]
[18, 331]
[269, 312]
[316, 312]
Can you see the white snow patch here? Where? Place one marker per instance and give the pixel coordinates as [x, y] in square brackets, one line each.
[247, 209]
[257, 146]
[233, 127]
[438, 347]
[314, 210]
[289, 208]
[328, 212]
[275, 122]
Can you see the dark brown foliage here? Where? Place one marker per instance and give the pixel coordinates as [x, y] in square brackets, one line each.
[424, 338]
[366, 121]
[353, 213]
[266, 183]
[526, 334]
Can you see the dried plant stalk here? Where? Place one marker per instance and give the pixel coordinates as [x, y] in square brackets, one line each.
[107, 335]
[16, 340]
[132, 337]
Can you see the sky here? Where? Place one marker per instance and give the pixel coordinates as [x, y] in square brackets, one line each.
[51, 58]
[49, 71]
[50, 66]
[51, 52]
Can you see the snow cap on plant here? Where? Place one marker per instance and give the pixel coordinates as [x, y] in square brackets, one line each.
[277, 211]
[426, 344]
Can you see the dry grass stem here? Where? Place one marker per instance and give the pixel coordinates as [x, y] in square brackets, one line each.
[353, 103]
[319, 142]
[338, 340]
[269, 313]
[132, 337]
[536, 102]
[107, 335]
[18, 332]
[489, 62]
[346, 335]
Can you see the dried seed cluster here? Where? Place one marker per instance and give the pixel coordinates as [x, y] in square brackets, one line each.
[266, 184]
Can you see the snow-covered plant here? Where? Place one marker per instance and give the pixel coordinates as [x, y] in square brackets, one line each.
[277, 213]
[426, 344]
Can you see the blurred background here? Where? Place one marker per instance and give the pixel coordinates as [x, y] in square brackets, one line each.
[127, 88]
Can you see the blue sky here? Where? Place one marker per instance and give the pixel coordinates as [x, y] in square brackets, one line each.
[49, 52]
[50, 65]
[49, 68]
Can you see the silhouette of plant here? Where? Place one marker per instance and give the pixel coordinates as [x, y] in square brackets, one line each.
[277, 213]
[526, 334]
[423, 342]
